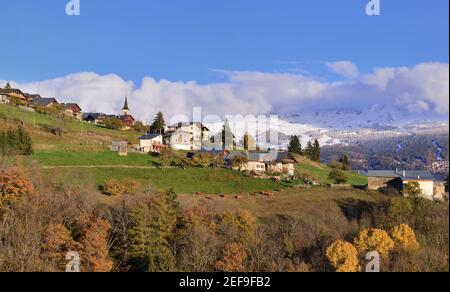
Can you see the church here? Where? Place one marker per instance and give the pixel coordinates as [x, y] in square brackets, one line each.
[126, 116]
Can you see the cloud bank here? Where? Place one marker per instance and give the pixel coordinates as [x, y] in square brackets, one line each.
[421, 89]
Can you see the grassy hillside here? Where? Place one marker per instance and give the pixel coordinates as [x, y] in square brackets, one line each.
[321, 171]
[77, 136]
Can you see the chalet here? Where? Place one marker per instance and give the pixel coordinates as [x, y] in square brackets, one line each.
[74, 110]
[151, 143]
[266, 162]
[93, 118]
[186, 136]
[7, 94]
[44, 102]
[31, 97]
[384, 179]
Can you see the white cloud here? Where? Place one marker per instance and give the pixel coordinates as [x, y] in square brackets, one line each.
[421, 89]
[344, 68]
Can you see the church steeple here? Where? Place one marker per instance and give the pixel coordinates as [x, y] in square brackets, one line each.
[126, 109]
[8, 86]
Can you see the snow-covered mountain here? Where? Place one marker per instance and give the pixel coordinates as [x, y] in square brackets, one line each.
[341, 126]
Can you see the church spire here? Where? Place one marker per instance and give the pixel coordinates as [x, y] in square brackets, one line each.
[8, 86]
[126, 109]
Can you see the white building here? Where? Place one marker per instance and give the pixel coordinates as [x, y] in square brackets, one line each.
[151, 143]
[186, 136]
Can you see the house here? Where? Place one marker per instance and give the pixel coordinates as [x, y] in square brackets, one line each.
[31, 97]
[120, 146]
[383, 179]
[186, 136]
[93, 118]
[151, 143]
[74, 110]
[44, 102]
[266, 162]
[7, 93]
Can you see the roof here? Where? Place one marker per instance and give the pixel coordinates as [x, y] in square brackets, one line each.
[275, 156]
[125, 105]
[404, 174]
[73, 106]
[179, 125]
[11, 90]
[150, 136]
[32, 96]
[44, 101]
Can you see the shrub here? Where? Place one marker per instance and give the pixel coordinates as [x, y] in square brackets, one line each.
[14, 187]
[343, 256]
[405, 238]
[337, 176]
[16, 142]
[374, 240]
[117, 188]
[413, 189]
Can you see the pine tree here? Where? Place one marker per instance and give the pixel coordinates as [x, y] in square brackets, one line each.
[345, 163]
[316, 151]
[159, 123]
[309, 151]
[227, 137]
[24, 143]
[295, 146]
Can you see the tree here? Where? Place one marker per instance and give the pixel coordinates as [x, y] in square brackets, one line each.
[233, 260]
[413, 189]
[14, 187]
[249, 142]
[345, 163]
[140, 127]
[374, 240]
[158, 124]
[294, 145]
[309, 151]
[24, 143]
[405, 238]
[113, 123]
[228, 142]
[16, 142]
[166, 157]
[337, 176]
[239, 161]
[343, 256]
[154, 224]
[316, 153]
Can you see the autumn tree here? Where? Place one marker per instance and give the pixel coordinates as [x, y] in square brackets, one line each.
[374, 240]
[14, 187]
[412, 189]
[405, 238]
[233, 259]
[57, 241]
[343, 256]
[95, 245]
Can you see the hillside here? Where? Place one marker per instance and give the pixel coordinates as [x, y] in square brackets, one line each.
[76, 136]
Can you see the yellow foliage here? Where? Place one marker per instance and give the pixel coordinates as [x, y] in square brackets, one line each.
[405, 238]
[343, 256]
[374, 240]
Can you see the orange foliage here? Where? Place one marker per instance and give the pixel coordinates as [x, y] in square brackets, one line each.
[343, 256]
[117, 188]
[405, 238]
[14, 186]
[234, 257]
[374, 240]
[94, 242]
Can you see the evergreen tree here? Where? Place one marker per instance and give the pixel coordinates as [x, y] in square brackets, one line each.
[159, 123]
[154, 225]
[316, 151]
[24, 143]
[295, 146]
[345, 163]
[309, 151]
[227, 137]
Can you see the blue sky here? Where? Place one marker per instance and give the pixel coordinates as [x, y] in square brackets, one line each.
[185, 39]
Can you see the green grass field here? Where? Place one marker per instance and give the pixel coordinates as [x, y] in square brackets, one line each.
[184, 181]
[68, 158]
[320, 172]
[77, 136]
